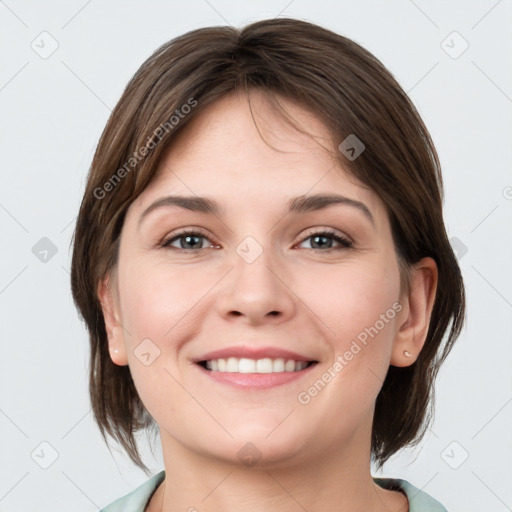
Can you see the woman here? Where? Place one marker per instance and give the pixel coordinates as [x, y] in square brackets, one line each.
[262, 264]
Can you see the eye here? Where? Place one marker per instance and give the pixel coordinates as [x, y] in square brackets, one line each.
[323, 241]
[187, 241]
[192, 241]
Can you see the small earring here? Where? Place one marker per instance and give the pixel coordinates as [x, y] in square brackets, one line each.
[407, 353]
[116, 351]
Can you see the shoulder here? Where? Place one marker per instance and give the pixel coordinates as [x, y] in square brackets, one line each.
[419, 501]
[137, 500]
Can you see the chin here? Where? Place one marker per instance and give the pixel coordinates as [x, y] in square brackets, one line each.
[264, 447]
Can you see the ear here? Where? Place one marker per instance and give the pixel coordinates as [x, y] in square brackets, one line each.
[116, 345]
[414, 319]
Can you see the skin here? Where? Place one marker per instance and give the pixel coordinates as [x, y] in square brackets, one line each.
[294, 296]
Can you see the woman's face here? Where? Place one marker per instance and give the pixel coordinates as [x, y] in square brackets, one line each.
[256, 284]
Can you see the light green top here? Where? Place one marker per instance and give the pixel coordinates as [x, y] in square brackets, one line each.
[138, 499]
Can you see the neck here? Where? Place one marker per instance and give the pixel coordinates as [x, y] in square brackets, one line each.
[339, 480]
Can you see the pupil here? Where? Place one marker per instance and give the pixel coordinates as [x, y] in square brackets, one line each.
[318, 237]
[188, 239]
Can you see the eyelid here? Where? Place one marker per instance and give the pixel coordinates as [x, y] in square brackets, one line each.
[326, 231]
[345, 241]
[165, 242]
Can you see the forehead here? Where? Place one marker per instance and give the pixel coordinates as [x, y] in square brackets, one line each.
[240, 149]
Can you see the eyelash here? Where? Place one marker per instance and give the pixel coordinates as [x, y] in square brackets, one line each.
[329, 233]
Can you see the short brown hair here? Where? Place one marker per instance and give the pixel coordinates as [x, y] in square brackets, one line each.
[347, 88]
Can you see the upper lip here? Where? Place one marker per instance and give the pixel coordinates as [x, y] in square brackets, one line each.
[248, 352]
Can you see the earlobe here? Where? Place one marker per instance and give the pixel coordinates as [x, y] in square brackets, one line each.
[113, 327]
[117, 348]
[415, 319]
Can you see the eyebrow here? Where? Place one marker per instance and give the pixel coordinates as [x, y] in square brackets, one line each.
[301, 204]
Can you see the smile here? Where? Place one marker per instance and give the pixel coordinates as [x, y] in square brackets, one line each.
[245, 365]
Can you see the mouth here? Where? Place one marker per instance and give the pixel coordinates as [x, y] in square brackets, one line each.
[254, 367]
[263, 366]
[254, 374]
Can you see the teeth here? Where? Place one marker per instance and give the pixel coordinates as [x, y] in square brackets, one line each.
[232, 364]
[266, 365]
[289, 366]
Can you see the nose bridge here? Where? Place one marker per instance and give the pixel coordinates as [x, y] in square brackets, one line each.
[255, 289]
[253, 266]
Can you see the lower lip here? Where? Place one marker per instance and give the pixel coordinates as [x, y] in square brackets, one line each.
[255, 380]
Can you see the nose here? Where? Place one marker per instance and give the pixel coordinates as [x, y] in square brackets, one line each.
[257, 293]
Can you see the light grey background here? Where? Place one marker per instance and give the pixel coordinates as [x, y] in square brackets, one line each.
[53, 109]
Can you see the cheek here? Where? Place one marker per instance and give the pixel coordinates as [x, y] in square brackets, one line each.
[358, 307]
[156, 301]
[156, 310]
